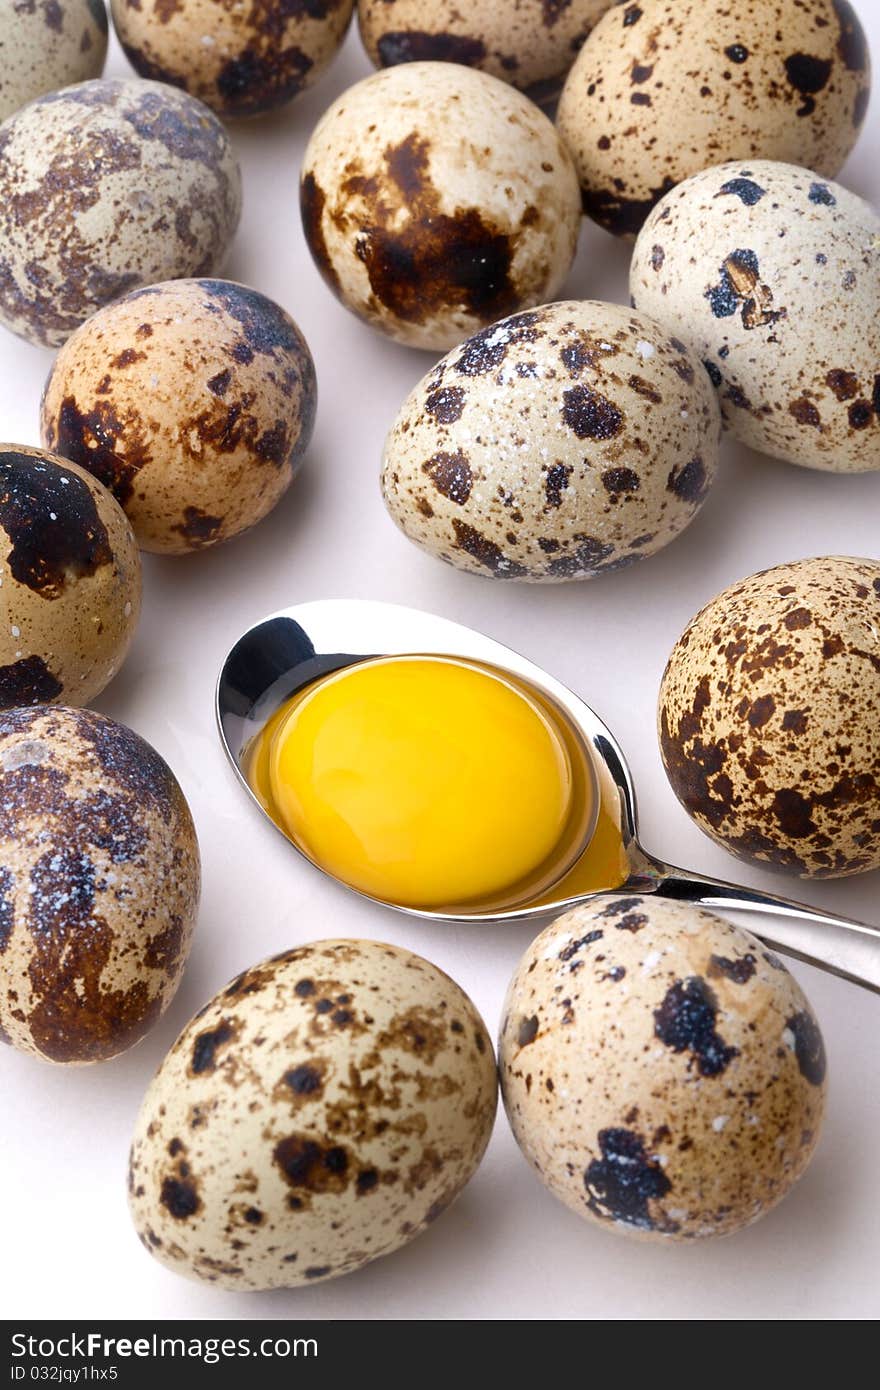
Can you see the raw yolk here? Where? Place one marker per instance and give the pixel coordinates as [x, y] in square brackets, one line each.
[423, 781]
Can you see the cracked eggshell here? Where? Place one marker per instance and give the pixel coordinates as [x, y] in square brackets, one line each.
[662, 1072]
[562, 442]
[529, 43]
[99, 884]
[319, 1112]
[241, 60]
[70, 581]
[436, 199]
[773, 277]
[49, 45]
[769, 717]
[194, 401]
[664, 88]
[108, 185]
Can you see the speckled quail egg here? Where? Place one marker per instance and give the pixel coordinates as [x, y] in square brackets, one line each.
[70, 581]
[436, 199]
[664, 88]
[239, 59]
[319, 1112]
[47, 44]
[773, 277]
[561, 442]
[99, 884]
[106, 186]
[193, 401]
[661, 1070]
[529, 43]
[769, 717]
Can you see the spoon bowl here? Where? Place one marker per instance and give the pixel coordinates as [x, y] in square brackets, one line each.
[291, 649]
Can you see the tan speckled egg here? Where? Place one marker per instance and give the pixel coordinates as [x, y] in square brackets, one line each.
[106, 186]
[319, 1112]
[529, 43]
[240, 59]
[99, 884]
[435, 199]
[769, 717]
[48, 45]
[773, 278]
[193, 401]
[661, 1070]
[664, 88]
[562, 442]
[70, 581]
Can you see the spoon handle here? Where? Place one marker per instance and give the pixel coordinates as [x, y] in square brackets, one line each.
[840, 945]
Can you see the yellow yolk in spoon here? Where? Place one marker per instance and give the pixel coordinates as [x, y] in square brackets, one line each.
[430, 782]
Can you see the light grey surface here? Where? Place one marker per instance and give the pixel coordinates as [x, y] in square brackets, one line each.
[506, 1249]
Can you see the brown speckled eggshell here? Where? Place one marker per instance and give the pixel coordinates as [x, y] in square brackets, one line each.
[529, 43]
[241, 59]
[562, 442]
[772, 275]
[662, 1072]
[435, 199]
[99, 884]
[664, 88]
[108, 185]
[48, 45]
[194, 402]
[769, 717]
[70, 581]
[320, 1111]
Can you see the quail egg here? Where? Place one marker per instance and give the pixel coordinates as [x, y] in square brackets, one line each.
[435, 199]
[664, 88]
[108, 185]
[661, 1070]
[772, 275]
[239, 59]
[49, 45]
[319, 1112]
[99, 884]
[564, 441]
[193, 401]
[70, 581]
[769, 717]
[529, 43]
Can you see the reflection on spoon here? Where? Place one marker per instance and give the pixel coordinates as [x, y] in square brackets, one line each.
[291, 676]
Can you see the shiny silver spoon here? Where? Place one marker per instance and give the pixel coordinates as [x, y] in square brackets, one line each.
[292, 648]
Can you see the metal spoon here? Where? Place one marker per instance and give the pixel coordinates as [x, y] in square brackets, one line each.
[291, 648]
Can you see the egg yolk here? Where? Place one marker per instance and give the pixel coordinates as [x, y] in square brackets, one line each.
[424, 781]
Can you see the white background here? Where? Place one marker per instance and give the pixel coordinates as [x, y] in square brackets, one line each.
[507, 1248]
